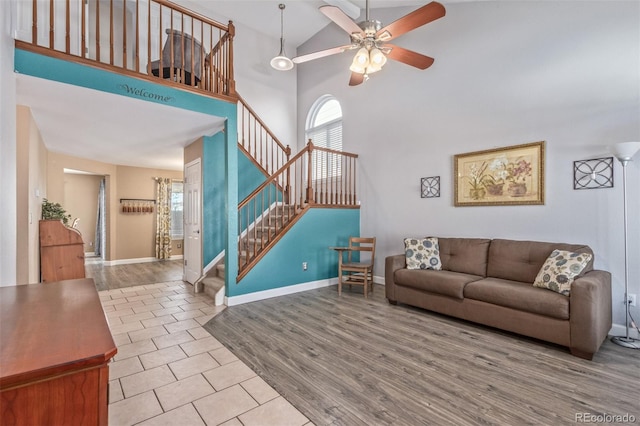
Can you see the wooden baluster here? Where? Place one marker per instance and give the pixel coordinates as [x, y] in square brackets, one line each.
[111, 32]
[51, 25]
[355, 184]
[149, 40]
[34, 22]
[98, 55]
[160, 64]
[83, 31]
[67, 37]
[124, 34]
[137, 58]
[172, 47]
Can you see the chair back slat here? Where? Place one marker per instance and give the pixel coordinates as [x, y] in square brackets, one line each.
[365, 244]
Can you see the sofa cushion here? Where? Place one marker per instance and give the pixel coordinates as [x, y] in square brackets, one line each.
[446, 283]
[522, 260]
[520, 296]
[560, 269]
[466, 255]
[422, 253]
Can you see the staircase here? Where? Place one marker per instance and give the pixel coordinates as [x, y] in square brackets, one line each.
[314, 177]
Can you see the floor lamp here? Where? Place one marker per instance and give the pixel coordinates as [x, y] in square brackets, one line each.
[624, 152]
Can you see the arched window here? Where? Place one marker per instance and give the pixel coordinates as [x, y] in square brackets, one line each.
[324, 128]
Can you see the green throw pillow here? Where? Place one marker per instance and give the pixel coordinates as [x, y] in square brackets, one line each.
[422, 253]
[560, 269]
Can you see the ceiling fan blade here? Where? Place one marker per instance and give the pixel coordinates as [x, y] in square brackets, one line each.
[408, 57]
[321, 54]
[413, 20]
[341, 19]
[356, 78]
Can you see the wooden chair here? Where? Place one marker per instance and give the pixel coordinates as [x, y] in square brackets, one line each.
[358, 272]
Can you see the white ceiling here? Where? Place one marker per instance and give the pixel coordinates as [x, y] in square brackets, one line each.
[155, 136]
[301, 17]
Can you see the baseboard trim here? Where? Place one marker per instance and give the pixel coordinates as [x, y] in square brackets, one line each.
[137, 260]
[619, 330]
[282, 291]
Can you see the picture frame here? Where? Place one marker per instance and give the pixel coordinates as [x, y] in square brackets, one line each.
[508, 176]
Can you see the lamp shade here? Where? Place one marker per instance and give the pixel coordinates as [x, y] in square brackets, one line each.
[625, 150]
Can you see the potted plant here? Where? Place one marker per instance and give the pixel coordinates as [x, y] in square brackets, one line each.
[54, 211]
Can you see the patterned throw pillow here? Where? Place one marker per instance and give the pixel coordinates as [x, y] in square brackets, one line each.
[560, 269]
[422, 253]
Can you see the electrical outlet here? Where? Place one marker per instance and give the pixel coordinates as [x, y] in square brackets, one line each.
[304, 266]
[631, 298]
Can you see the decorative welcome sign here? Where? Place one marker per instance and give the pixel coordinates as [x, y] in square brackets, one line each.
[144, 93]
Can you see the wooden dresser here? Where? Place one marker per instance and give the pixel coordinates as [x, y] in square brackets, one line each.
[61, 252]
[55, 346]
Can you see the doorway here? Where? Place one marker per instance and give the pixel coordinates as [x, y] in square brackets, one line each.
[192, 221]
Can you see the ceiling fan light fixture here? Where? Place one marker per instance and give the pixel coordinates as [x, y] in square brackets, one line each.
[360, 61]
[281, 62]
[377, 57]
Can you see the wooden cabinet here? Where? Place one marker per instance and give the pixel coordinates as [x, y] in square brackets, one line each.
[55, 346]
[61, 252]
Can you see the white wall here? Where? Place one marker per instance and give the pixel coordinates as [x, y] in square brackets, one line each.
[270, 93]
[7, 147]
[505, 73]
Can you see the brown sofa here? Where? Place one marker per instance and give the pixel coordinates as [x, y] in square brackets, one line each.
[490, 282]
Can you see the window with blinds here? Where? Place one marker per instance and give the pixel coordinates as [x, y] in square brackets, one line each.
[324, 128]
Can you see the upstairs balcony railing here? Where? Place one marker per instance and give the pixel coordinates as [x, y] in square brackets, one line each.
[153, 39]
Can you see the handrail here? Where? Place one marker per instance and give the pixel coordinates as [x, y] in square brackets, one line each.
[155, 40]
[314, 177]
[260, 143]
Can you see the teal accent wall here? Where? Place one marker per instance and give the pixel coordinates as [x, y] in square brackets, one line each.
[308, 241]
[55, 69]
[214, 187]
[250, 176]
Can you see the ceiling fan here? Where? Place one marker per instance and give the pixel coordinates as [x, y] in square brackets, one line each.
[371, 40]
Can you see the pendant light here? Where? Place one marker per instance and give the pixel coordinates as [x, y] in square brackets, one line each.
[281, 62]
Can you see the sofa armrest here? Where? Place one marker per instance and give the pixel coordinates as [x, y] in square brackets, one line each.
[590, 310]
[391, 265]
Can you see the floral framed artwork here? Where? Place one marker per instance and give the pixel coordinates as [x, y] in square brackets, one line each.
[512, 175]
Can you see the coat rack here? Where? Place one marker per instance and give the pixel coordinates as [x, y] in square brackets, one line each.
[137, 205]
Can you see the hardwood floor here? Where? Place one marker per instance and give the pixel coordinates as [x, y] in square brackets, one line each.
[350, 361]
[121, 276]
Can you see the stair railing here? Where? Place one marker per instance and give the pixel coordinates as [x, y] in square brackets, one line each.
[314, 177]
[258, 141]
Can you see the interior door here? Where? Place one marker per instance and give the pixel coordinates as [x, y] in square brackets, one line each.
[192, 221]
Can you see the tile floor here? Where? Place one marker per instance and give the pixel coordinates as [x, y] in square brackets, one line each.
[170, 371]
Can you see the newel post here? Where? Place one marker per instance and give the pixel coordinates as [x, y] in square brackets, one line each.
[231, 77]
[310, 199]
